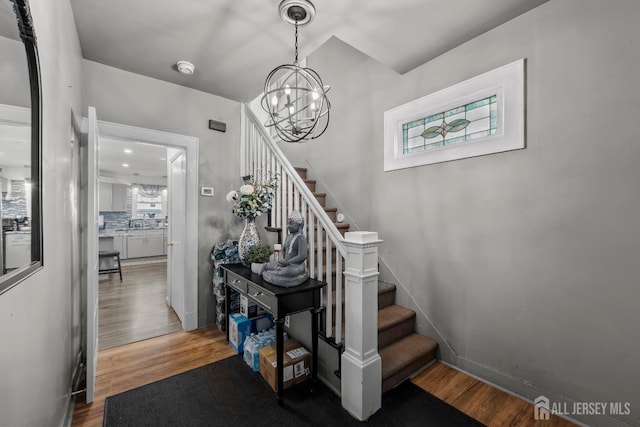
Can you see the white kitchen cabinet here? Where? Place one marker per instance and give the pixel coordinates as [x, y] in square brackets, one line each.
[120, 244]
[17, 249]
[112, 197]
[119, 198]
[155, 242]
[165, 240]
[145, 243]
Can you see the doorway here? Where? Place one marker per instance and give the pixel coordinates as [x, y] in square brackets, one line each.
[181, 237]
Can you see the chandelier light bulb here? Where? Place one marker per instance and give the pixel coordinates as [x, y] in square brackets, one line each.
[287, 90]
[274, 101]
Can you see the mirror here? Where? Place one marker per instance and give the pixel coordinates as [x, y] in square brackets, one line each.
[20, 146]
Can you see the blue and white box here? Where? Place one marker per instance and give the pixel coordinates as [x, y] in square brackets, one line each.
[239, 330]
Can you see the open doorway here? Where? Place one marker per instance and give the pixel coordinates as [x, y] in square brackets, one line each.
[158, 293]
[133, 223]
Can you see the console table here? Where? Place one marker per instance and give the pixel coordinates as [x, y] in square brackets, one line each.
[280, 302]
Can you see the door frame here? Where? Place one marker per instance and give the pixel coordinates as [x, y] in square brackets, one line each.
[190, 146]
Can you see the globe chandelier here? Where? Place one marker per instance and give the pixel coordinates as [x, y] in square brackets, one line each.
[295, 97]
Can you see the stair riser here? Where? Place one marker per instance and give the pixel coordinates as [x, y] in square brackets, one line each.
[407, 371]
[333, 215]
[386, 299]
[311, 184]
[302, 172]
[395, 332]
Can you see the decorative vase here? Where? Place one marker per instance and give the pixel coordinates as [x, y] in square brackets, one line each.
[257, 267]
[248, 239]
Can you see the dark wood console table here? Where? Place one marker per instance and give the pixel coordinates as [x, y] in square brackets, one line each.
[280, 302]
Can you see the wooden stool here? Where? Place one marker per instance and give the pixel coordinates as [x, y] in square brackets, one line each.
[110, 254]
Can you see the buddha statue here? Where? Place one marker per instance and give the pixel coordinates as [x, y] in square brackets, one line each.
[290, 270]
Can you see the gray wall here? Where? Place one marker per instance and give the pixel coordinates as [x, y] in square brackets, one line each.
[39, 318]
[123, 97]
[525, 262]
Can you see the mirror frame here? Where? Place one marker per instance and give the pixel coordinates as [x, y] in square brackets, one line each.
[27, 34]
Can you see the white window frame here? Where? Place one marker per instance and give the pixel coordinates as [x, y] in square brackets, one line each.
[506, 82]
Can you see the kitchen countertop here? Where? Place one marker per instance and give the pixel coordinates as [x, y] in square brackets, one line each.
[18, 232]
[124, 231]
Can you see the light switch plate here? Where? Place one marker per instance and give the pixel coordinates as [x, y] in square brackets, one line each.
[206, 191]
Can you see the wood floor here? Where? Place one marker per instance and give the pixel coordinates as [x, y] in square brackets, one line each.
[135, 309]
[126, 367]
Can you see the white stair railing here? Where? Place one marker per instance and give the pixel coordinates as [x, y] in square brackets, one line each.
[261, 158]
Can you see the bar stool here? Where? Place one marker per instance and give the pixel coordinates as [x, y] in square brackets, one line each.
[110, 254]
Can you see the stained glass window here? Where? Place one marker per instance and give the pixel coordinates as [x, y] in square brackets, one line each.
[464, 123]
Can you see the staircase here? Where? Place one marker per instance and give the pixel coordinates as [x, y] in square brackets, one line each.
[400, 352]
[403, 351]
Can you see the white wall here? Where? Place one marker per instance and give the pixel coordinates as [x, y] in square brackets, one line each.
[39, 328]
[132, 99]
[525, 262]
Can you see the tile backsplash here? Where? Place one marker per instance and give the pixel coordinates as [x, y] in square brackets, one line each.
[116, 220]
[17, 206]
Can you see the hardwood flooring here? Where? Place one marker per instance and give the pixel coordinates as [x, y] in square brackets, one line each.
[126, 367]
[135, 309]
[479, 400]
[129, 366]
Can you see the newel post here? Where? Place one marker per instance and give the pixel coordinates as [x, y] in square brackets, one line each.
[361, 376]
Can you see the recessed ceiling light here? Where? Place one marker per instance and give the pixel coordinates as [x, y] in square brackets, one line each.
[127, 150]
[125, 165]
[185, 67]
[163, 158]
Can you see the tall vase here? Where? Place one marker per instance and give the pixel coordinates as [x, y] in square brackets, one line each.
[248, 239]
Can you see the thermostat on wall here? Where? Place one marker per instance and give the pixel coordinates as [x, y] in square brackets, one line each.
[206, 191]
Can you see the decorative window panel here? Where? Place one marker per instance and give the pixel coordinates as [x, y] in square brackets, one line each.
[479, 116]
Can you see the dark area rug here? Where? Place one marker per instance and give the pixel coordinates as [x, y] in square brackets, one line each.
[229, 393]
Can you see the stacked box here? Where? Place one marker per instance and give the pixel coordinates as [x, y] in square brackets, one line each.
[240, 328]
[297, 364]
[249, 308]
[254, 343]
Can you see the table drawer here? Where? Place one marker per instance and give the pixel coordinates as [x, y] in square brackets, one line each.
[236, 282]
[266, 300]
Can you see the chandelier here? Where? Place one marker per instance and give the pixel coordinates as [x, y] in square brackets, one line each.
[295, 97]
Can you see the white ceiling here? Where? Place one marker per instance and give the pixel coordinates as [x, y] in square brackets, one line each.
[146, 163]
[235, 43]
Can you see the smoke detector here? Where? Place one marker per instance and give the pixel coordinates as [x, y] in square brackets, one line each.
[185, 67]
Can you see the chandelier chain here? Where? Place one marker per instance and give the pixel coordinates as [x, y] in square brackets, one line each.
[296, 62]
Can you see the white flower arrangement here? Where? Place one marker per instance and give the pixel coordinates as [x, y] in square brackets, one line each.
[253, 199]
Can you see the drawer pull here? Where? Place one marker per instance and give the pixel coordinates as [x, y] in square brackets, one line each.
[235, 281]
[256, 294]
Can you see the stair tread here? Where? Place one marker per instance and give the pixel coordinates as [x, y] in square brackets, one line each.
[393, 315]
[406, 350]
[384, 287]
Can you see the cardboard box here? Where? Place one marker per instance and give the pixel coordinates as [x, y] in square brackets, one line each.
[297, 364]
[249, 308]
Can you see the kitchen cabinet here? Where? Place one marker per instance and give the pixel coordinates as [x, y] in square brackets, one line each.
[112, 197]
[164, 241]
[145, 243]
[17, 249]
[120, 244]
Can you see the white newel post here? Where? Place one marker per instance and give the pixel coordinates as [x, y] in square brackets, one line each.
[361, 377]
